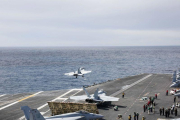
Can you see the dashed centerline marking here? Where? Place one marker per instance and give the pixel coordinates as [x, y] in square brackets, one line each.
[20, 100]
[139, 96]
[146, 94]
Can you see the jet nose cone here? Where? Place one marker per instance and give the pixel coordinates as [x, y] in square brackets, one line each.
[173, 85]
[96, 116]
[99, 116]
[177, 94]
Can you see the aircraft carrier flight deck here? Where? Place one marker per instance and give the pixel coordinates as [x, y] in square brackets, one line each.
[134, 87]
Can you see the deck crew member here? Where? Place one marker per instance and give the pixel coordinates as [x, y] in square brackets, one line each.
[129, 117]
[175, 111]
[169, 111]
[174, 99]
[163, 110]
[172, 110]
[137, 115]
[144, 108]
[166, 112]
[153, 107]
[143, 118]
[156, 95]
[148, 109]
[123, 95]
[160, 111]
[134, 115]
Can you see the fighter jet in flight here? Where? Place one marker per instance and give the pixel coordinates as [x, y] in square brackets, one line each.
[99, 96]
[79, 72]
[34, 114]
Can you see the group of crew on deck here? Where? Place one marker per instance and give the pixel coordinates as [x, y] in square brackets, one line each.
[171, 110]
[150, 106]
[168, 111]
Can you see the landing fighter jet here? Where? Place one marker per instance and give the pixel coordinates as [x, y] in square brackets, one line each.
[99, 96]
[80, 72]
[34, 114]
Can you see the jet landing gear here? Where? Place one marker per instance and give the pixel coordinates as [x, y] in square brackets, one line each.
[75, 75]
[89, 100]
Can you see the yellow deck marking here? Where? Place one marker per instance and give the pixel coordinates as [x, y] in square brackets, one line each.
[29, 96]
[25, 98]
[20, 100]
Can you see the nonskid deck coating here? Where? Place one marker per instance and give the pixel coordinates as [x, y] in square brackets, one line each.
[156, 83]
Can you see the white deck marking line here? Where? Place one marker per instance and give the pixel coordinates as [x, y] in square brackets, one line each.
[118, 92]
[58, 98]
[2, 95]
[46, 112]
[74, 94]
[21, 118]
[65, 99]
[20, 100]
[55, 99]
[77, 89]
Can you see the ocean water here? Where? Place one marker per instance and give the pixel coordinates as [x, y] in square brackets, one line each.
[42, 69]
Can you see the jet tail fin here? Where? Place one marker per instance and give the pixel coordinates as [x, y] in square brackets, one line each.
[79, 71]
[86, 92]
[96, 93]
[26, 111]
[174, 76]
[32, 114]
[35, 115]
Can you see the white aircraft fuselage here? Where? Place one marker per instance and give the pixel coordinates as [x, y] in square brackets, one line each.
[99, 96]
[79, 72]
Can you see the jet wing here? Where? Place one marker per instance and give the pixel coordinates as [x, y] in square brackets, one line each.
[82, 97]
[178, 94]
[108, 98]
[101, 92]
[85, 72]
[65, 118]
[69, 74]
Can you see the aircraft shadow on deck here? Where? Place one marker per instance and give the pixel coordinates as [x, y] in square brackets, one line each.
[109, 106]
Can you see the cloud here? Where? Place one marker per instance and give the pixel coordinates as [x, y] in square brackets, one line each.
[89, 23]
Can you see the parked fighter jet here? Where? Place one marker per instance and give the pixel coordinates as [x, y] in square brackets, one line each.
[178, 75]
[80, 72]
[176, 82]
[99, 96]
[34, 114]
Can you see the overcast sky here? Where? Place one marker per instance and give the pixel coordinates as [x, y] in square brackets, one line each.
[89, 22]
